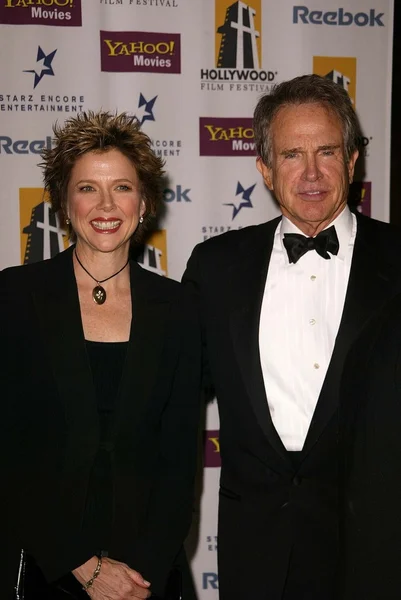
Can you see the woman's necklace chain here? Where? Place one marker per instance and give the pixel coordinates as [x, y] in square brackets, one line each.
[99, 293]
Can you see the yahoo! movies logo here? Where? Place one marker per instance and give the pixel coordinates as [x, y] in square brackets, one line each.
[238, 49]
[342, 17]
[226, 137]
[360, 197]
[340, 69]
[64, 13]
[212, 448]
[140, 52]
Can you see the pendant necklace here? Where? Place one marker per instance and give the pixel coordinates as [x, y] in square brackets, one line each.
[99, 293]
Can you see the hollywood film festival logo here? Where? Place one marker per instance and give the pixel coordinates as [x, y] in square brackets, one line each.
[62, 13]
[144, 3]
[40, 67]
[154, 254]
[238, 40]
[43, 235]
[343, 71]
[340, 69]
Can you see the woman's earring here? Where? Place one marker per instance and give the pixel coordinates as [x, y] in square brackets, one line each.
[67, 221]
[141, 219]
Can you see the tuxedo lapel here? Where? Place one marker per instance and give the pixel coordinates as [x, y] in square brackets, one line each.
[57, 304]
[370, 283]
[247, 281]
[147, 339]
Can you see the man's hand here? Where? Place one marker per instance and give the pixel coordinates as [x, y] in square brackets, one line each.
[116, 581]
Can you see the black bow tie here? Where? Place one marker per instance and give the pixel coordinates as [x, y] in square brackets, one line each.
[297, 244]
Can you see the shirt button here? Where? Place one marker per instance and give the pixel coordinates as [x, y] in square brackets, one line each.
[313, 277]
[316, 366]
[312, 321]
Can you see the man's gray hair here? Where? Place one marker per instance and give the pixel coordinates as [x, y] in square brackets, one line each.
[306, 89]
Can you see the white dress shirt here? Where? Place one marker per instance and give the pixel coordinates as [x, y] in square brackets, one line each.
[301, 312]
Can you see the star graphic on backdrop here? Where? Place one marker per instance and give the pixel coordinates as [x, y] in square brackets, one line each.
[45, 63]
[245, 200]
[145, 112]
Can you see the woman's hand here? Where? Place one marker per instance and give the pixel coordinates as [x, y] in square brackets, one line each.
[116, 581]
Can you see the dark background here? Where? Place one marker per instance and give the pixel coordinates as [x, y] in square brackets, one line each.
[395, 176]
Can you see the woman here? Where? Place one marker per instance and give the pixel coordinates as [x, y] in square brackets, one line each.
[100, 383]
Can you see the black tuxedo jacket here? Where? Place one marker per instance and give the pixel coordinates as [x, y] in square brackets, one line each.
[278, 524]
[49, 431]
[370, 468]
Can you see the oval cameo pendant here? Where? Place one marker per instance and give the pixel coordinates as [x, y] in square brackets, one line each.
[99, 294]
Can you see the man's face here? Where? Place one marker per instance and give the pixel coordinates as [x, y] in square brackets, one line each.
[308, 175]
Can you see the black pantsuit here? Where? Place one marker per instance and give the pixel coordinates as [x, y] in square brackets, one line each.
[50, 435]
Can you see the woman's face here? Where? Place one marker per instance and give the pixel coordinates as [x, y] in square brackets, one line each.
[104, 202]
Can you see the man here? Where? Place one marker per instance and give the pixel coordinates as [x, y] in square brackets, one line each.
[370, 461]
[281, 303]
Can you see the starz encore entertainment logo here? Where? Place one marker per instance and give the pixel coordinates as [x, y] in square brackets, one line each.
[56, 100]
[226, 137]
[238, 50]
[146, 114]
[244, 200]
[62, 13]
[43, 66]
[211, 543]
[140, 52]
[145, 109]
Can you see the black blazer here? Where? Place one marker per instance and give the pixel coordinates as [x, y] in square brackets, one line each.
[49, 431]
[278, 523]
[370, 474]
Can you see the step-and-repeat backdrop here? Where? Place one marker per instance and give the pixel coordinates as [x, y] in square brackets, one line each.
[180, 67]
